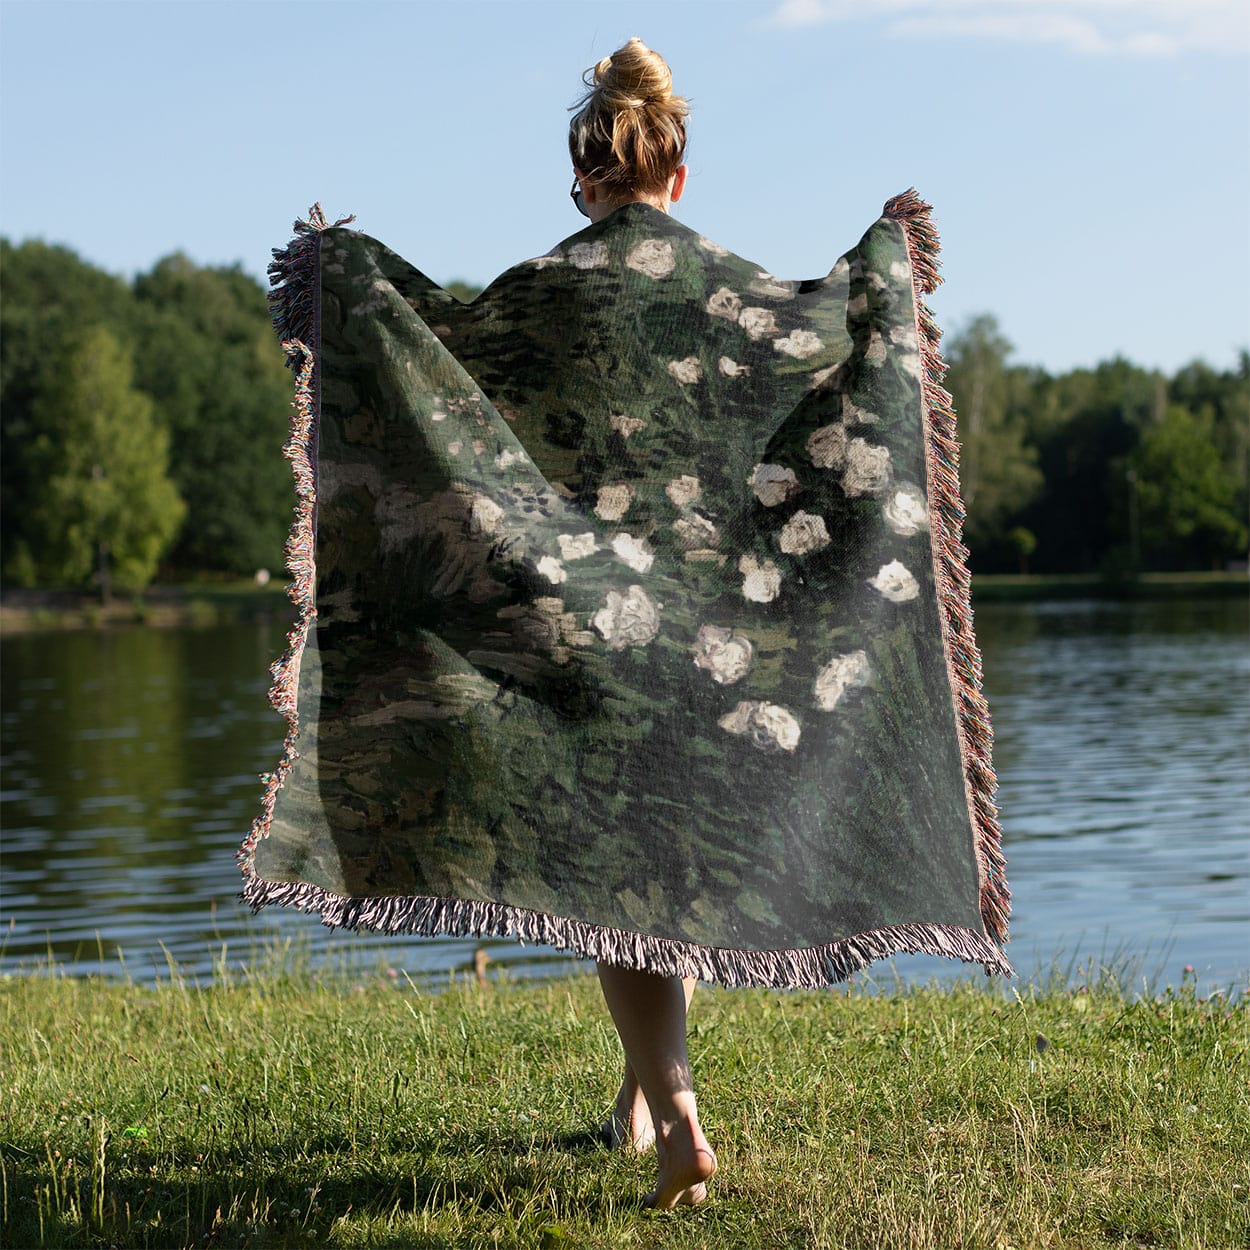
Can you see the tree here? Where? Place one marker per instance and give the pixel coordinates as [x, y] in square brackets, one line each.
[103, 501]
[1186, 494]
[208, 355]
[1086, 424]
[998, 470]
[51, 295]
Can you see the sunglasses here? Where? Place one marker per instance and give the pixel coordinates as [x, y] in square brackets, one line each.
[576, 196]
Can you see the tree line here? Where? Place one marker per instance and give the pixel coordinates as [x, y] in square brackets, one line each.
[142, 421]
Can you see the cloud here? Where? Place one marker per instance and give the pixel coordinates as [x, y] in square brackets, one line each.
[1135, 28]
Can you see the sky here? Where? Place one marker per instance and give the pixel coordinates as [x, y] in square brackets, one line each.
[1088, 160]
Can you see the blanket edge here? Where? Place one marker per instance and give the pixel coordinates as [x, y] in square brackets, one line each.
[811, 967]
[954, 581]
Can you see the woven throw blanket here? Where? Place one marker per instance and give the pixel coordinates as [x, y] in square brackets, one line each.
[633, 614]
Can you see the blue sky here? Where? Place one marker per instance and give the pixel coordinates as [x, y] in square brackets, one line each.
[1088, 160]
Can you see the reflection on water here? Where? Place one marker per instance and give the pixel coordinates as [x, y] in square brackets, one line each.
[131, 762]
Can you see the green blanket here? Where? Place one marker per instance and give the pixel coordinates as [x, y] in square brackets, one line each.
[634, 617]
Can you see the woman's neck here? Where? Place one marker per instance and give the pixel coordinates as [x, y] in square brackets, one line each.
[601, 208]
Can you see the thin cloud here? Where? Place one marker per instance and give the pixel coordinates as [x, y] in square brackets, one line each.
[1136, 28]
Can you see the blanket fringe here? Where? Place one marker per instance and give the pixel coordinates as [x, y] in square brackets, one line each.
[954, 582]
[805, 968]
[294, 303]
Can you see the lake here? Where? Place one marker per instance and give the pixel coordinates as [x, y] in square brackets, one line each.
[130, 774]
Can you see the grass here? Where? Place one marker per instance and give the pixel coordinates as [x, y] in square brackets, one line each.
[285, 1108]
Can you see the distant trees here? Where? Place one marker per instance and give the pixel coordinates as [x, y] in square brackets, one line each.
[207, 353]
[1112, 469]
[142, 424]
[998, 466]
[104, 502]
[208, 406]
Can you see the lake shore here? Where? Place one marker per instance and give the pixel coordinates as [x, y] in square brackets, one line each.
[218, 603]
[277, 1108]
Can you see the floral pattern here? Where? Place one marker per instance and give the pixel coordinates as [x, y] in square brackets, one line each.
[768, 726]
[722, 653]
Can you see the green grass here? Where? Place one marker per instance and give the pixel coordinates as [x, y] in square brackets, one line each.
[289, 1109]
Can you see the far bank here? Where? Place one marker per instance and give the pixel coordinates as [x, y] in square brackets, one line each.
[177, 605]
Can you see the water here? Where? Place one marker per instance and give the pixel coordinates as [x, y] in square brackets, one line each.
[130, 762]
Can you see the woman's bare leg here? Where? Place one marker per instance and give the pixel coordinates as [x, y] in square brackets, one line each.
[629, 1124]
[650, 1015]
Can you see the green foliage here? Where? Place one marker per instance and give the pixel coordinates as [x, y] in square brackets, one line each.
[1186, 490]
[207, 350]
[205, 356]
[998, 468]
[283, 1110]
[51, 296]
[105, 504]
[1054, 456]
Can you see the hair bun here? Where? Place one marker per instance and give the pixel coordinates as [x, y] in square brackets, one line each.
[634, 76]
[630, 129]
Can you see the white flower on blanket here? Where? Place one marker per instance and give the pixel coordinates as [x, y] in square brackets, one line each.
[768, 726]
[575, 546]
[588, 255]
[895, 583]
[720, 652]
[906, 512]
[803, 532]
[759, 323]
[696, 532]
[842, 674]
[634, 551]
[827, 446]
[798, 343]
[867, 468]
[687, 371]
[484, 515]
[731, 368]
[773, 484]
[613, 500]
[683, 490]
[761, 579]
[725, 303]
[631, 619]
[715, 248]
[552, 569]
[625, 426]
[654, 257]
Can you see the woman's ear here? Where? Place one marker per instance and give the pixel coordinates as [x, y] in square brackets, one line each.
[678, 185]
[588, 186]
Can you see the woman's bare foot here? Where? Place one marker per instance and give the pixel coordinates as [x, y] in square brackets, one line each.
[629, 1125]
[686, 1165]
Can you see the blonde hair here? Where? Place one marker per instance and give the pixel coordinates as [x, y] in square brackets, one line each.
[629, 133]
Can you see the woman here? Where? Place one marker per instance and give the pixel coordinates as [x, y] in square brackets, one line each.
[634, 618]
[627, 141]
